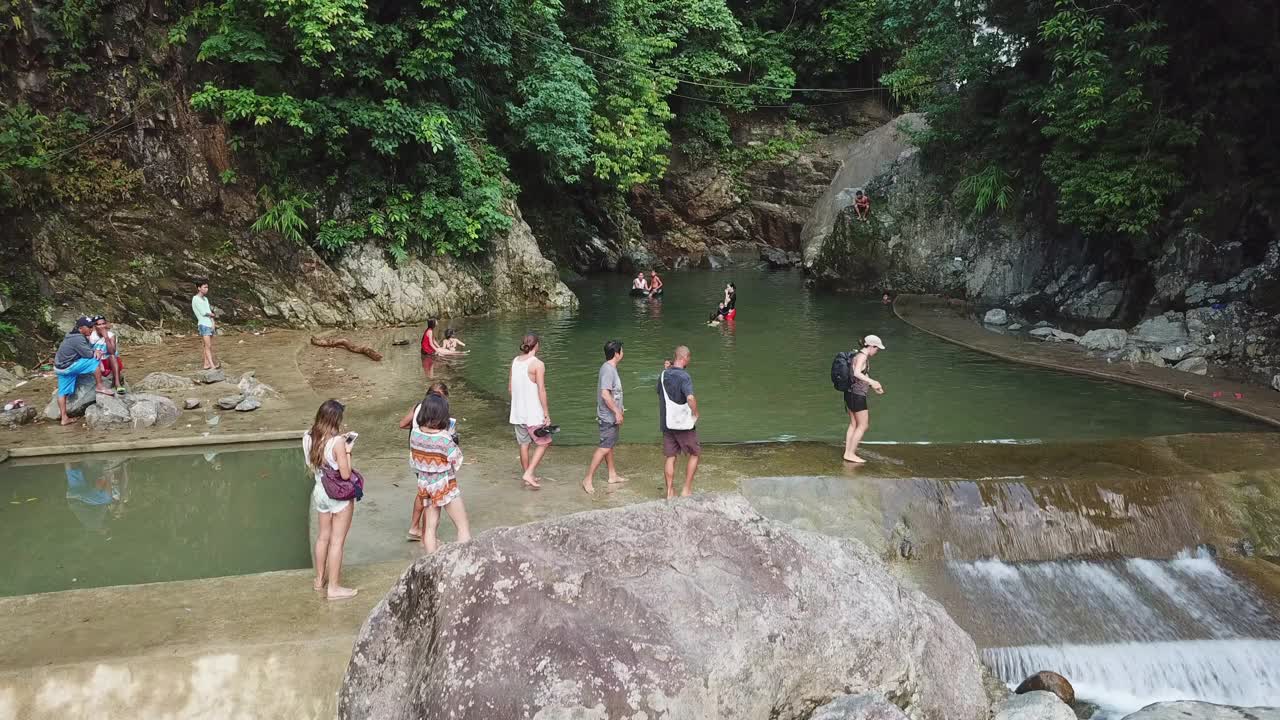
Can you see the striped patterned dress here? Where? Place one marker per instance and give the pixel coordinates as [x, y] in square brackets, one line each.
[435, 459]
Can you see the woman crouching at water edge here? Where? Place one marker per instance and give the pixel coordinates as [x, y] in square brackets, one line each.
[435, 458]
[326, 444]
[855, 398]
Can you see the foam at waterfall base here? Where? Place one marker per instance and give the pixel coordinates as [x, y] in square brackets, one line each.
[1124, 677]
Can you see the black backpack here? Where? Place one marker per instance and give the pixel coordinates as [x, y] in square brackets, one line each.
[841, 376]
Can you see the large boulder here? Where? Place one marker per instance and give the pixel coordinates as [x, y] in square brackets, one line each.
[210, 376]
[77, 403]
[691, 609]
[160, 381]
[1050, 682]
[1195, 365]
[996, 316]
[1036, 705]
[1162, 329]
[1193, 710]
[1106, 339]
[148, 410]
[859, 707]
[107, 411]
[17, 416]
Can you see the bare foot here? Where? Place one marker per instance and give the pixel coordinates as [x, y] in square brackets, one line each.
[341, 593]
[686, 493]
[68, 421]
[104, 390]
[617, 479]
[854, 459]
[588, 488]
[318, 585]
[531, 482]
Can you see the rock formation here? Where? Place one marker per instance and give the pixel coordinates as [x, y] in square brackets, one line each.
[694, 609]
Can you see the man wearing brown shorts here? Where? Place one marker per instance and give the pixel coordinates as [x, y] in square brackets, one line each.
[677, 419]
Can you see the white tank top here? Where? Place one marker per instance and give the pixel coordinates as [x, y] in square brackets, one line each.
[526, 408]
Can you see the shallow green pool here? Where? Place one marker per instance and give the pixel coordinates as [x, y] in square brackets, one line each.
[96, 521]
[767, 376]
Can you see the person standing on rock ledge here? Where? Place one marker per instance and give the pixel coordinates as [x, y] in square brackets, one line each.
[608, 414]
[204, 322]
[855, 398]
[678, 420]
[530, 414]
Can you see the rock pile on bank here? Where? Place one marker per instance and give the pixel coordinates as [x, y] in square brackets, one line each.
[148, 408]
[694, 609]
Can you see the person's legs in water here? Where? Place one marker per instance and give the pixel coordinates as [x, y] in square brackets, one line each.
[862, 418]
[320, 553]
[529, 477]
[415, 518]
[432, 517]
[597, 458]
[333, 562]
[458, 514]
[614, 477]
[849, 445]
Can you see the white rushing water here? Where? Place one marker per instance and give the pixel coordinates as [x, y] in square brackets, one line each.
[1125, 677]
[1128, 632]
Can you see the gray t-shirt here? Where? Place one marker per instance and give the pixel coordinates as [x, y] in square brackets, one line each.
[610, 381]
[74, 347]
[679, 388]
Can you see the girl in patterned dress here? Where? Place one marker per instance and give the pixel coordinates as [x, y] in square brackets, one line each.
[435, 459]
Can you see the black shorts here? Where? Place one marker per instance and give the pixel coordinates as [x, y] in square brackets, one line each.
[854, 402]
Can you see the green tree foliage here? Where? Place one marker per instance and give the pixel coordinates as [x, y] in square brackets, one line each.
[1109, 113]
[45, 160]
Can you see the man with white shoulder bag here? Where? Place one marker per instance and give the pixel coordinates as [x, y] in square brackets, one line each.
[678, 419]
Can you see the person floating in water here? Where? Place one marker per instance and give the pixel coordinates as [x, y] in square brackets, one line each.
[640, 286]
[886, 299]
[861, 205]
[655, 284]
[452, 344]
[855, 398]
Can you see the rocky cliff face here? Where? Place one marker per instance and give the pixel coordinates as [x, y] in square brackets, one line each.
[180, 209]
[1227, 289]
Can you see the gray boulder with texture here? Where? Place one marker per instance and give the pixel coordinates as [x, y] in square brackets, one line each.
[107, 411]
[1036, 705]
[17, 416]
[230, 401]
[248, 405]
[209, 377]
[996, 316]
[1105, 339]
[859, 707]
[1162, 330]
[149, 410]
[159, 381]
[1195, 366]
[77, 403]
[1193, 710]
[1275, 383]
[698, 608]
[251, 387]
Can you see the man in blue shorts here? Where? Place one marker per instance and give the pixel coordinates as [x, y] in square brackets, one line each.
[77, 357]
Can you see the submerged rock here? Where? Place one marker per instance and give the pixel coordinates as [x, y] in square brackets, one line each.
[1049, 682]
[77, 403]
[159, 381]
[1106, 339]
[996, 316]
[1034, 705]
[859, 707]
[1194, 710]
[699, 608]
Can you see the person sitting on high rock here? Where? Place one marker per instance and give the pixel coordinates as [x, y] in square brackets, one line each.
[862, 205]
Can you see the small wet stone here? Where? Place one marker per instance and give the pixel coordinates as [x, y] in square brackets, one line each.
[248, 405]
[213, 421]
[229, 402]
[191, 403]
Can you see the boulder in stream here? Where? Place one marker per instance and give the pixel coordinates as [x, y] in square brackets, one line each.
[698, 608]
[1192, 710]
[1049, 682]
[1034, 705]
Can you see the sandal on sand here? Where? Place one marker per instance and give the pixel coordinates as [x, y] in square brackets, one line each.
[413, 538]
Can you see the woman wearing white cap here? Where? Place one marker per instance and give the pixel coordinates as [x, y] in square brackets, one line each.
[855, 398]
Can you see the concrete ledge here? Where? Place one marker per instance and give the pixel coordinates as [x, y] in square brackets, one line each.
[1076, 364]
[151, 444]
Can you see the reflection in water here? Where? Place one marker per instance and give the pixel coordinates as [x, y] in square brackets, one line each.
[99, 521]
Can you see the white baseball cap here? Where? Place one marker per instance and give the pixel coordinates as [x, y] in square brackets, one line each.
[873, 341]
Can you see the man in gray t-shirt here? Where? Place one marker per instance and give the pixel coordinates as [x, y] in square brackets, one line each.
[609, 413]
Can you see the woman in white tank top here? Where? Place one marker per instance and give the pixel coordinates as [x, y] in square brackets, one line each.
[529, 407]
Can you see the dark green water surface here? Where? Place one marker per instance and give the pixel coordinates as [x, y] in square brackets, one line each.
[767, 375]
[97, 521]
